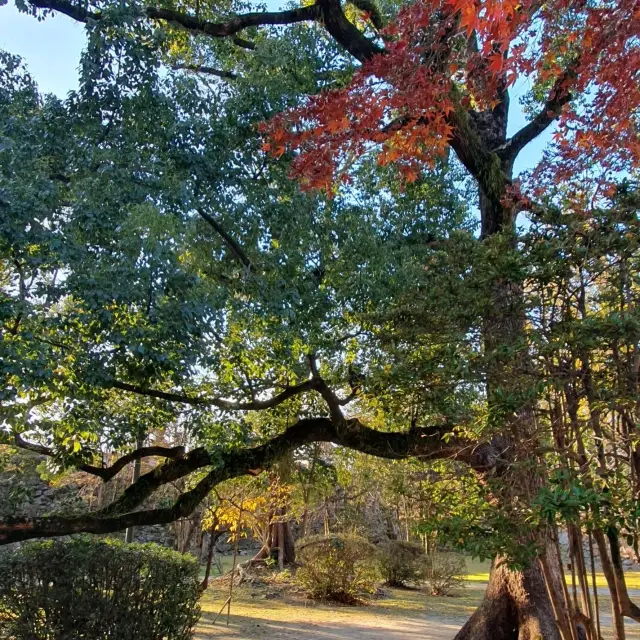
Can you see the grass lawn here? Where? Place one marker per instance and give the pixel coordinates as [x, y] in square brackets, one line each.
[479, 572]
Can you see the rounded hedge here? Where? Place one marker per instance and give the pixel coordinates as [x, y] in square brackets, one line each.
[402, 563]
[339, 567]
[97, 590]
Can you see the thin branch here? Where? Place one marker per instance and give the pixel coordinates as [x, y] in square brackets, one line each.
[106, 473]
[170, 453]
[228, 405]
[235, 248]
[210, 71]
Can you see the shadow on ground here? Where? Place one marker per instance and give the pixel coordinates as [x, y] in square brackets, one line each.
[244, 627]
[264, 612]
[279, 612]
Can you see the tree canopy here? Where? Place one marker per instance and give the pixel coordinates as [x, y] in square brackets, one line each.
[274, 228]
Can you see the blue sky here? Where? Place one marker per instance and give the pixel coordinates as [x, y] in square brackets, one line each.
[52, 50]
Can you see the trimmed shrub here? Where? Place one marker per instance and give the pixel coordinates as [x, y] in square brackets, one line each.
[402, 563]
[97, 590]
[338, 567]
[444, 573]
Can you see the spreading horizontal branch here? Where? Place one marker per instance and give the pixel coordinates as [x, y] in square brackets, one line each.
[79, 11]
[76, 10]
[329, 12]
[106, 473]
[236, 23]
[428, 443]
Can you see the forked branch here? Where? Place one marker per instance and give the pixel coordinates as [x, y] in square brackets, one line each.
[221, 403]
[107, 473]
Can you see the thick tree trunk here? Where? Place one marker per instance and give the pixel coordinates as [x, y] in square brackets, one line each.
[282, 542]
[516, 606]
[279, 545]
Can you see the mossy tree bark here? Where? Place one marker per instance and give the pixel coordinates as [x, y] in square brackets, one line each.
[517, 604]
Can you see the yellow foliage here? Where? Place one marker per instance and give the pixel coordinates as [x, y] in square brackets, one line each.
[240, 514]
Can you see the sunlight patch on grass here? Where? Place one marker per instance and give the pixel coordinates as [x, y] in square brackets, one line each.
[477, 577]
[632, 579]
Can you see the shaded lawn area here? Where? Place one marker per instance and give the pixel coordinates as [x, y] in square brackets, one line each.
[279, 610]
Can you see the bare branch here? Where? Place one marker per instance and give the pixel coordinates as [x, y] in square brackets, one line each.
[106, 473]
[231, 27]
[558, 97]
[237, 23]
[228, 405]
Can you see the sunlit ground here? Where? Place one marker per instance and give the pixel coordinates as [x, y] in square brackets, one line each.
[279, 610]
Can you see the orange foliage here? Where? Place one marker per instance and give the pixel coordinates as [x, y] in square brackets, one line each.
[445, 56]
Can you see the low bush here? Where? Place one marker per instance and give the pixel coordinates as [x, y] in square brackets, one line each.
[343, 568]
[444, 572]
[97, 590]
[402, 563]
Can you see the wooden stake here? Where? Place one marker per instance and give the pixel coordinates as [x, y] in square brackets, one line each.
[227, 601]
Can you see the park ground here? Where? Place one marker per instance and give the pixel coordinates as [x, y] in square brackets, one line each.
[277, 609]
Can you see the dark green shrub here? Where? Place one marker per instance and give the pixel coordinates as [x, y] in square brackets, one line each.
[97, 590]
[402, 563]
[445, 572]
[339, 567]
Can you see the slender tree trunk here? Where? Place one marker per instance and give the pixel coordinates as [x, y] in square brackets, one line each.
[288, 544]
[280, 544]
[128, 534]
[214, 535]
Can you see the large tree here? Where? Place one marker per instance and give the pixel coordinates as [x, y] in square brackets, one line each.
[176, 275]
[436, 78]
